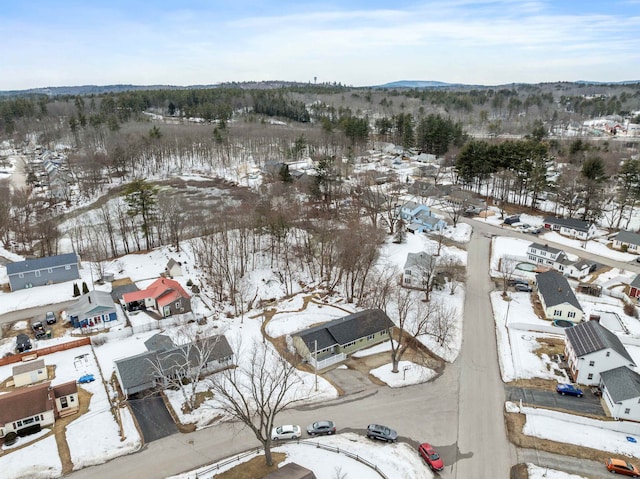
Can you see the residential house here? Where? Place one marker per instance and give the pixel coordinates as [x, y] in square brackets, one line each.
[40, 404]
[627, 240]
[621, 393]
[163, 358]
[43, 271]
[92, 309]
[591, 349]
[573, 228]
[165, 295]
[418, 270]
[460, 199]
[554, 258]
[557, 297]
[29, 372]
[174, 268]
[331, 342]
[419, 218]
[634, 287]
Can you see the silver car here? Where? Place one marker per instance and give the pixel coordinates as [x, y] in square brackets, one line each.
[289, 431]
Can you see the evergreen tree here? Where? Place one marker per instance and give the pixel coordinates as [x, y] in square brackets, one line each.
[142, 198]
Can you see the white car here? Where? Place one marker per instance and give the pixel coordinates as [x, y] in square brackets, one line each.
[289, 431]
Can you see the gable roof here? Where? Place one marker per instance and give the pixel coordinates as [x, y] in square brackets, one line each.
[92, 301]
[65, 389]
[636, 282]
[572, 223]
[28, 367]
[346, 329]
[159, 342]
[41, 263]
[622, 383]
[545, 247]
[555, 289]
[421, 260]
[628, 237]
[591, 336]
[165, 288]
[25, 402]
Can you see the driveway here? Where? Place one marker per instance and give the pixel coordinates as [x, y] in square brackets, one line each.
[351, 381]
[153, 417]
[587, 404]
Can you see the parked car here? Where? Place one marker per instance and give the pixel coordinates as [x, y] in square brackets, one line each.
[376, 431]
[622, 467]
[289, 431]
[321, 427]
[50, 317]
[535, 230]
[513, 282]
[23, 343]
[431, 457]
[38, 329]
[569, 390]
[522, 287]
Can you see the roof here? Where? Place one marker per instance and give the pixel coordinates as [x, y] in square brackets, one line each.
[572, 223]
[291, 470]
[545, 247]
[65, 389]
[159, 342]
[422, 260]
[118, 292]
[25, 402]
[555, 289]
[346, 329]
[622, 383]
[28, 367]
[93, 300]
[139, 369]
[591, 336]
[636, 282]
[628, 237]
[172, 262]
[41, 263]
[160, 287]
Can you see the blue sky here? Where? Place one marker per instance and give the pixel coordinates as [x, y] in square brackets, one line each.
[187, 42]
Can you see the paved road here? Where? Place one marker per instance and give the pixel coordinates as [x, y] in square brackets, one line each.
[29, 313]
[588, 404]
[572, 465]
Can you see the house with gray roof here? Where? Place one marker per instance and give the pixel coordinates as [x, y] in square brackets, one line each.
[42, 271]
[418, 270]
[571, 227]
[621, 393]
[627, 240]
[557, 297]
[634, 287]
[163, 359]
[554, 258]
[92, 309]
[332, 342]
[591, 349]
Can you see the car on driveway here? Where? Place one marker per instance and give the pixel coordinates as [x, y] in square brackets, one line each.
[87, 378]
[522, 287]
[431, 457]
[383, 433]
[23, 343]
[320, 428]
[289, 431]
[569, 390]
[50, 317]
[619, 466]
[38, 330]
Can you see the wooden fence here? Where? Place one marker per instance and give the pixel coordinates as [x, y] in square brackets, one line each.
[16, 358]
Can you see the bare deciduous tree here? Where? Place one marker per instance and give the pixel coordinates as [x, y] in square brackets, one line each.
[507, 268]
[257, 390]
[454, 270]
[441, 323]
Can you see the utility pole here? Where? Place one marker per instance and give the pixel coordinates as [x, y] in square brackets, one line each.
[315, 362]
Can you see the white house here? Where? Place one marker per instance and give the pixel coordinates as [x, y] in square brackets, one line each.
[29, 372]
[554, 258]
[591, 349]
[418, 270]
[627, 240]
[573, 228]
[557, 297]
[621, 393]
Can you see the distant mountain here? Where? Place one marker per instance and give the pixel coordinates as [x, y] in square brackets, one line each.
[626, 82]
[417, 84]
[92, 89]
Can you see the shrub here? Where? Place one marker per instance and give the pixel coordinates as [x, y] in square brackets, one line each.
[630, 310]
[99, 340]
[10, 438]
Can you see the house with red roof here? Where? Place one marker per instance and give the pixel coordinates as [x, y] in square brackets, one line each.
[165, 295]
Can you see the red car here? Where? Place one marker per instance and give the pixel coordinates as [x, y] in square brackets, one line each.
[622, 467]
[431, 457]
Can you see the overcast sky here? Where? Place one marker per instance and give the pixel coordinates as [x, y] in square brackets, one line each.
[359, 42]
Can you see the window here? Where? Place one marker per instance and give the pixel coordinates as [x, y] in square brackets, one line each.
[383, 332]
[571, 314]
[608, 353]
[177, 304]
[29, 420]
[407, 281]
[370, 337]
[592, 363]
[71, 399]
[37, 274]
[20, 275]
[63, 402]
[348, 345]
[627, 410]
[590, 376]
[557, 312]
[407, 272]
[67, 267]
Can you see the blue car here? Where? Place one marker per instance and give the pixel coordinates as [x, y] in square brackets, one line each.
[568, 390]
[87, 378]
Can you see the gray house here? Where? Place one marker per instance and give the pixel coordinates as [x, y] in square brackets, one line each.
[43, 271]
[557, 297]
[139, 373]
[621, 392]
[331, 342]
[93, 308]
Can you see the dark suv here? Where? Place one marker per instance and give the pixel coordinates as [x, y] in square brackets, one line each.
[23, 343]
[376, 431]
